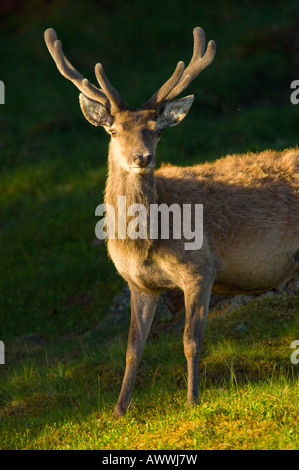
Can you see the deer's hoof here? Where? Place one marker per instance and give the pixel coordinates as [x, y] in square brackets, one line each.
[119, 411]
[192, 401]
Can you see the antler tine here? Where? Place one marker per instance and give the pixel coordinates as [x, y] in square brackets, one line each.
[68, 70]
[182, 78]
[109, 90]
[161, 94]
[198, 62]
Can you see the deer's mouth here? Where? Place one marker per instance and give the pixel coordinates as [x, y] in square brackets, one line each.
[140, 170]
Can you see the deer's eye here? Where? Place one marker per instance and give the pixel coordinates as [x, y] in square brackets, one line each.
[113, 133]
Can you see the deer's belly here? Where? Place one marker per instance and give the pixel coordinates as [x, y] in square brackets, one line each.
[255, 271]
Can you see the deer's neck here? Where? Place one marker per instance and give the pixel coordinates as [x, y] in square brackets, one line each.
[137, 189]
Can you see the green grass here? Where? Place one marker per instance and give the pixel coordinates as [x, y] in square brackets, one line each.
[247, 418]
[59, 385]
[61, 394]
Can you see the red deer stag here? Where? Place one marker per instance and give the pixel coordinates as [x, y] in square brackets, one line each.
[250, 210]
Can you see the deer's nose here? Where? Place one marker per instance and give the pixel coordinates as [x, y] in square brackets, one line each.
[142, 160]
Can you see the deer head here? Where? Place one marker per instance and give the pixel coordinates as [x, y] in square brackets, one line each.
[134, 132]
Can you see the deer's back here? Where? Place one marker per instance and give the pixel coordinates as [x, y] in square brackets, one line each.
[251, 188]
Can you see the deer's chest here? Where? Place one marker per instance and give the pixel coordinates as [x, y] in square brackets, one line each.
[144, 272]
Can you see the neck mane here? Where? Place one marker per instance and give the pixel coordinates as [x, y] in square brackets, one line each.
[137, 189]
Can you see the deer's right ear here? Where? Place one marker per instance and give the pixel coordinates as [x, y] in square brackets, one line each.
[96, 113]
[175, 111]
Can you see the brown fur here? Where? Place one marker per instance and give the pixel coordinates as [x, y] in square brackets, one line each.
[251, 214]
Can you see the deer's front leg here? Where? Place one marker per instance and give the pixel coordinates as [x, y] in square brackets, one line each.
[143, 306]
[197, 305]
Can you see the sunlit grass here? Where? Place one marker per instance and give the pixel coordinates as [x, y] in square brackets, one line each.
[245, 417]
[62, 394]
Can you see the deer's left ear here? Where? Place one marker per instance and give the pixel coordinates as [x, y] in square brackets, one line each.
[175, 111]
[95, 112]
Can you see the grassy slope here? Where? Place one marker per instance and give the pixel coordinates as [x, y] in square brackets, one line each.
[56, 284]
[61, 394]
